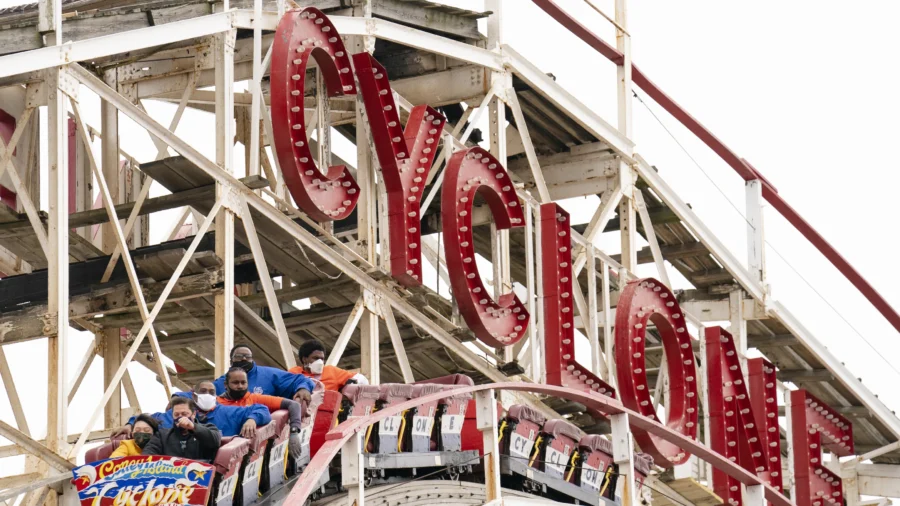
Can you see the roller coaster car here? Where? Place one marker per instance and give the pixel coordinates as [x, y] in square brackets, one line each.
[410, 440]
[597, 466]
[556, 459]
[452, 414]
[519, 432]
[251, 470]
[228, 464]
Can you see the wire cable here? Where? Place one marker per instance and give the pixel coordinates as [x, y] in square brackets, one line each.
[774, 249]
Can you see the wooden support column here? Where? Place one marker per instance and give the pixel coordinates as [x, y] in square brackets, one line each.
[756, 238]
[50, 20]
[627, 227]
[623, 456]
[850, 479]
[224, 302]
[352, 470]
[738, 327]
[57, 322]
[110, 338]
[366, 213]
[626, 174]
[487, 423]
[497, 135]
[607, 326]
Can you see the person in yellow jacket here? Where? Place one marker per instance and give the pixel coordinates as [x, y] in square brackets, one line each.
[145, 426]
[311, 355]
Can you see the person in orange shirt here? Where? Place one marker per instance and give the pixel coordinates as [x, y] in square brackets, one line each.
[236, 394]
[311, 355]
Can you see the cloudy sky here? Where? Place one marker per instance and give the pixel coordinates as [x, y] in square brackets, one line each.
[805, 93]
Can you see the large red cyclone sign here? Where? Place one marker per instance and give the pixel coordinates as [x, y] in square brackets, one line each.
[743, 411]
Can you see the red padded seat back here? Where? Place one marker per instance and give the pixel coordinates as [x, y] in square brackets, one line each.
[423, 419]
[228, 463]
[560, 440]
[524, 425]
[452, 379]
[596, 452]
[362, 399]
[325, 420]
[103, 451]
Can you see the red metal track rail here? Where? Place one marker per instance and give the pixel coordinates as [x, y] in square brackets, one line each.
[741, 166]
[336, 437]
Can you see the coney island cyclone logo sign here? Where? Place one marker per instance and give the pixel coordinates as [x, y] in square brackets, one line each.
[143, 481]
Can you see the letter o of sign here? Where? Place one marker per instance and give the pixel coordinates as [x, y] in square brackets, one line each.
[299, 36]
[496, 323]
[644, 301]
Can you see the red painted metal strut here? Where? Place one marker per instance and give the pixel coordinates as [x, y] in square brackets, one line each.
[744, 169]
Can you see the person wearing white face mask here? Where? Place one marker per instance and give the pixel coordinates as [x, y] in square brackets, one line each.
[230, 420]
[311, 355]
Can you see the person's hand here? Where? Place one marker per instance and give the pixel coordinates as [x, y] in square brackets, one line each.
[302, 396]
[295, 445]
[249, 429]
[185, 423]
[124, 430]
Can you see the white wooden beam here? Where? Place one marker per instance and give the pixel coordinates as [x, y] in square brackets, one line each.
[224, 301]
[22, 194]
[595, 227]
[265, 279]
[57, 322]
[346, 333]
[623, 456]
[650, 233]
[487, 423]
[397, 342]
[353, 470]
[34, 448]
[13, 394]
[756, 239]
[170, 285]
[541, 185]
[133, 279]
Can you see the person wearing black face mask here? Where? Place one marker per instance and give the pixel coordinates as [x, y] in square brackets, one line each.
[187, 438]
[145, 426]
[236, 395]
[267, 380]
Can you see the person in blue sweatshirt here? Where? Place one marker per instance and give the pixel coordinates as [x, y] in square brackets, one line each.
[230, 420]
[267, 380]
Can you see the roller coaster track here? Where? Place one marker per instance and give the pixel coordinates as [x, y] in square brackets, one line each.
[336, 438]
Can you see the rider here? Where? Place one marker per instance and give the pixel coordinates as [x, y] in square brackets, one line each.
[267, 380]
[236, 394]
[311, 355]
[230, 420]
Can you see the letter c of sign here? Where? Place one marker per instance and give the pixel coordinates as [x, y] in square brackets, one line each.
[496, 323]
[300, 35]
[644, 301]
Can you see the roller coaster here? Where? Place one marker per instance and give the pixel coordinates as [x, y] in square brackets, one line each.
[512, 360]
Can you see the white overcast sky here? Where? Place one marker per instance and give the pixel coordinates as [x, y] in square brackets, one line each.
[804, 92]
